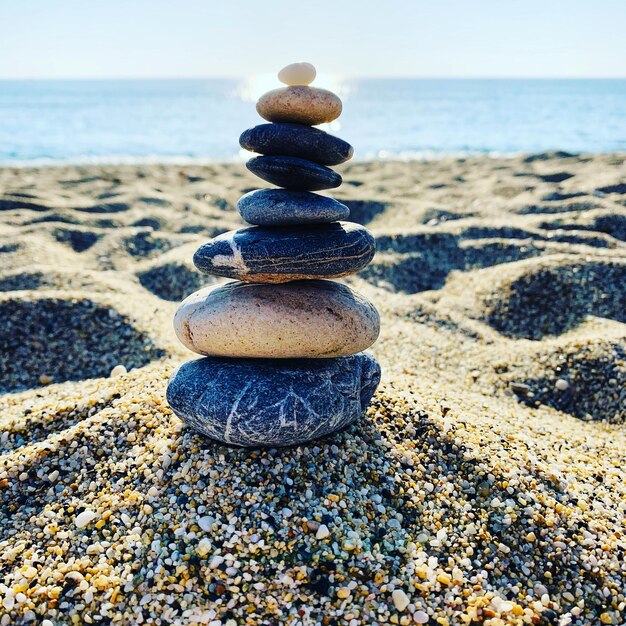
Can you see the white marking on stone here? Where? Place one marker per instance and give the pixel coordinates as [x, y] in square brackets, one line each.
[233, 413]
[235, 261]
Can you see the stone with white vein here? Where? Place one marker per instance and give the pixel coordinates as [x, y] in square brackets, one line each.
[261, 254]
[266, 402]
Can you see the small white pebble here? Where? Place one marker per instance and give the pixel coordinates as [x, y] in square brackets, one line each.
[400, 599]
[297, 74]
[8, 603]
[561, 384]
[206, 523]
[84, 518]
[322, 532]
[420, 617]
[216, 561]
[47, 622]
[204, 547]
[118, 370]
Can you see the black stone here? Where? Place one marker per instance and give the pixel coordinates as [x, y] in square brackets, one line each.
[296, 140]
[275, 255]
[294, 173]
[272, 402]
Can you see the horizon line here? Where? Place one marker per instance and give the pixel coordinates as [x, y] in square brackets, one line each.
[373, 77]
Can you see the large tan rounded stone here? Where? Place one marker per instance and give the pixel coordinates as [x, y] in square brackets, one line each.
[299, 105]
[309, 318]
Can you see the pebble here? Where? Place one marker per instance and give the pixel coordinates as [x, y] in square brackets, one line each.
[282, 207]
[400, 599]
[520, 388]
[270, 255]
[420, 617]
[322, 532]
[118, 370]
[44, 379]
[262, 402]
[296, 140]
[561, 384]
[204, 547]
[297, 74]
[206, 523]
[309, 318]
[85, 518]
[299, 105]
[294, 173]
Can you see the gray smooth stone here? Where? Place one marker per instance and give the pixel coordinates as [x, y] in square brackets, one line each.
[283, 207]
[296, 140]
[294, 173]
[263, 402]
[260, 254]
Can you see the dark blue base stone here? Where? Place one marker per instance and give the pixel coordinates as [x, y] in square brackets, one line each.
[272, 402]
[296, 140]
[294, 173]
[264, 254]
[282, 207]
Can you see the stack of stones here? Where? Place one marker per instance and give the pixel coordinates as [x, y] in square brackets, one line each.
[283, 346]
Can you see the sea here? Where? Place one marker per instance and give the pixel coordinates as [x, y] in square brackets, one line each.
[82, 121]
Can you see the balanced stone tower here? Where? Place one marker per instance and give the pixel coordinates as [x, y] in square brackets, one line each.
[283, 345]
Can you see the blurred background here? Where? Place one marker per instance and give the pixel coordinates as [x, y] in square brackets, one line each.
[155, 80]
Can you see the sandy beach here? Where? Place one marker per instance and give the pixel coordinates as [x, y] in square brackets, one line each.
[486, 484]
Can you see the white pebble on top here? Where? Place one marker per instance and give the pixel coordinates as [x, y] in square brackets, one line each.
[297, 74]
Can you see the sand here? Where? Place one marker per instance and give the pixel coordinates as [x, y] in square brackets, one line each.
[486, 484]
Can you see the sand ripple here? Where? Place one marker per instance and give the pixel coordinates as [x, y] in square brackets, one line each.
[486, 482]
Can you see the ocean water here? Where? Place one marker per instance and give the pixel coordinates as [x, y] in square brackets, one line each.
[172, 120]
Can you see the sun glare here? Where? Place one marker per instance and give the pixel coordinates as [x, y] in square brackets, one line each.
[253, 87]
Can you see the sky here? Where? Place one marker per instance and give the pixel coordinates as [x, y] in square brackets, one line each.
[348, 38]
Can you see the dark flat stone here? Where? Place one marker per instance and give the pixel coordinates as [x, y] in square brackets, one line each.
[296, 140]
[266, 402]
[282, 207]
[261, 254]
[294, 173]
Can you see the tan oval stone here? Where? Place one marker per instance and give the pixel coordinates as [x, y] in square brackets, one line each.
[309, 318]
[297, 74]
[299, 105]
